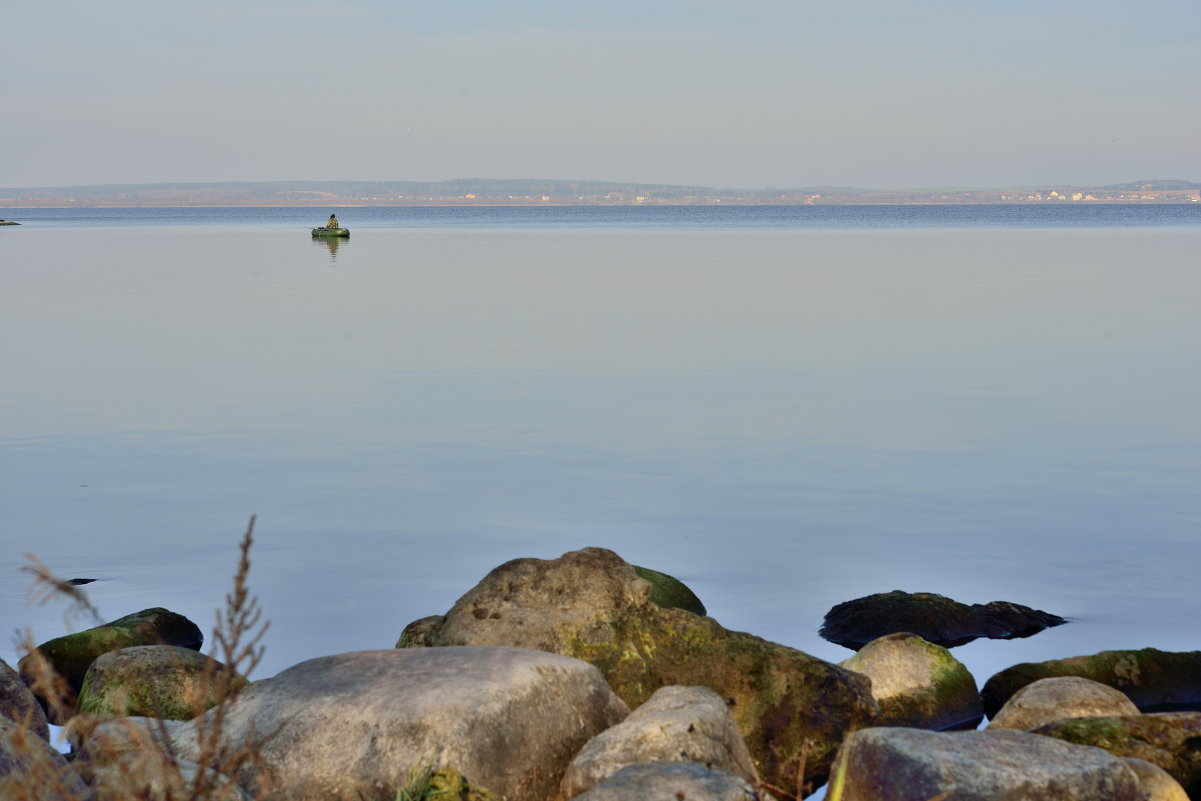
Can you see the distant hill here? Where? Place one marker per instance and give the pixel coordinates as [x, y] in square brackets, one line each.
[1151, 185]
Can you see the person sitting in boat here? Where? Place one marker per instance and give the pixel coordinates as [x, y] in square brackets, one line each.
[333, 222]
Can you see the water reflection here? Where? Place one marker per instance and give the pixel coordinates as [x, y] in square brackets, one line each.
[332, 243]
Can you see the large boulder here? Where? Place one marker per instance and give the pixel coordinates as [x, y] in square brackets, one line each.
[154, 776]
[1048, 700]
[160, 681]
[932, 617]
[896, 764]
[592, 605]
[669, 592]
[1154, 680]
[673, 780]
[677, 724]
[103, 741]
[18, 704]
[917, 683]
[510, 719]
[32, 770]
[71, 655]
[1171, 740]
[1156, 782]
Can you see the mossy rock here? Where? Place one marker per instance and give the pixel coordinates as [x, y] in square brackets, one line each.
[669, 592]
[158, 681]
[1170, 740]
[1154, 680]
[71, 655]
[447, 784]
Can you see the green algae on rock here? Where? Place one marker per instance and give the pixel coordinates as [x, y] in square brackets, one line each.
[1154, 680]
[1171, 740]
[161, 681]
[669, 592]
[592, 605]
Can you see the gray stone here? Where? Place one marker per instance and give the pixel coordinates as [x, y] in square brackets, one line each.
[508, 719]
[153, 776]
[105, 741]
[592, 605]
[677, 724]
[1156, 782]
[32, 770]
[162, 681]
[895, 764]
[918, 683]
[18, 704]
[1048, 700]
[650, 781]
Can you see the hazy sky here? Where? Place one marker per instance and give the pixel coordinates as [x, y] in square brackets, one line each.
[748, 94]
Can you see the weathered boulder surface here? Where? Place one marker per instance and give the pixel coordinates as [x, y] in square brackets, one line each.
[161, 681]
[592, 605]
[71, 655]
[1154, 680]
[103, 741]
[1048, 700]
[18, 704]
[1171, 740]
[677, 724]
[932, 617]
[918, 683]
[673, 780]
[32, 770]
[1156, 782]
[153, 776]
[895, 764]
[510, 719]
[669, 592]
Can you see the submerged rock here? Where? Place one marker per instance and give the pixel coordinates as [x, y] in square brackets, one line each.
[592, 605]
[918, 683]
[1154, 680]
[71, 655]
[1171, 740]
[932, 617]
[887, 764]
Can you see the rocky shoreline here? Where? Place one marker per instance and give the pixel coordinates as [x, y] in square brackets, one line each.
[585, 677]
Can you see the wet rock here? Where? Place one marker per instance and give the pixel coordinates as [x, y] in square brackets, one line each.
[1154, 680]
[18, 704]
[511, 719]
[932, 617]
[72, 654]
[677, 724]
[32, 770]
[1171, 740]
[917, 683]
[669, 592]
[1048, 700]
[672, 780]
[894, 764]
[592, 605]
[161, 681]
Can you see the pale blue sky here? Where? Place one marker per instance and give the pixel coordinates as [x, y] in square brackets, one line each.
[758, 93]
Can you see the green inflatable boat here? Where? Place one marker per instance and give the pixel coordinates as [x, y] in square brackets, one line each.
[343, 232]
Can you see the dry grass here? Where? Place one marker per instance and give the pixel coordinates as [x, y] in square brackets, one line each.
[141, 762]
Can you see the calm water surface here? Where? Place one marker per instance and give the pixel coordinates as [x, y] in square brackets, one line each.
[785, 411]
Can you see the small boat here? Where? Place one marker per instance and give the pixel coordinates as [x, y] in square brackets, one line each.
[331, 232]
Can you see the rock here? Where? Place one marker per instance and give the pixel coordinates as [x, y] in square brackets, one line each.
[32, 770]
[1154, 680]
[1171, 740]
[72, 654]
[161, 681]
[672, 780]
[669, 592]
[677, 724]
[592, 605]
[153, 776]
[932, 617]
[917, 683]
[1157, 783]
[104, 741]
[18, 704]
[894, 764]
[510, 719]
[1048, 700]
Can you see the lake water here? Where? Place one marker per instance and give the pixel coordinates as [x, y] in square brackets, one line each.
[784, 407]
